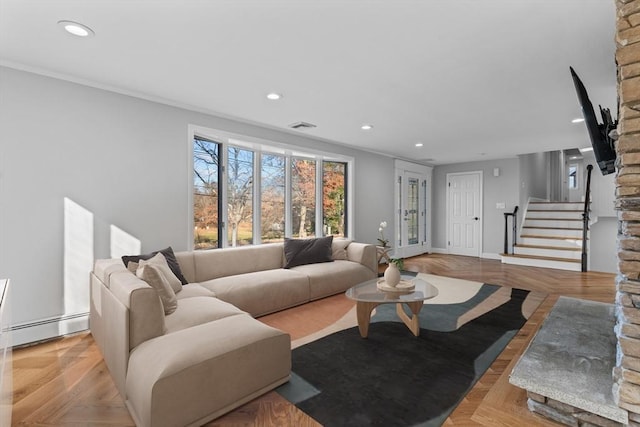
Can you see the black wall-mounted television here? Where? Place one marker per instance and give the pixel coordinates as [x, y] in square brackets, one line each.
[603, 144]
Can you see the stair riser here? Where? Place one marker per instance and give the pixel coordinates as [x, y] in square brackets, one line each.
[554, 253]
[557, 206]
[552, 223]
[560, 265]
[552, 232]
[554, 214]
[551, 242]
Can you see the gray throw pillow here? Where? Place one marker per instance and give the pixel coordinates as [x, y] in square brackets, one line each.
[153, 275]
[307, 251]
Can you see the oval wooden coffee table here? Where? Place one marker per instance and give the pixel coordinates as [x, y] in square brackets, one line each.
[368, 296]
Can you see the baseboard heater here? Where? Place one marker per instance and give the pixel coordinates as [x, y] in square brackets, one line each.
[33, 332]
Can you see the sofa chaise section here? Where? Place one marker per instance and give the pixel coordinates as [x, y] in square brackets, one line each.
[189, 376]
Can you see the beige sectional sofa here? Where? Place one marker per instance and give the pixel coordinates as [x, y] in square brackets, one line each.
[210, 355]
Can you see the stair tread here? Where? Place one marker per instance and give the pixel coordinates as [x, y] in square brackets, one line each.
[542, 236]
[552, 228]
[555, 248]
[555, 210]
[555, 203]
[545, 258]
[552, 219]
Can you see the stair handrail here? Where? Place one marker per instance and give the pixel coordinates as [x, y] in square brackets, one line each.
[506, 232]
[585, 219]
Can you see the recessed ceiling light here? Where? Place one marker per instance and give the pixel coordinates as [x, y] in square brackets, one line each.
[273, 96]
[366, 127]
[577, 120]
[76, 28]
[419, 144]
[585, 150]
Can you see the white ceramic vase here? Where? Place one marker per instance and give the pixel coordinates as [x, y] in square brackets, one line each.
[392, 275]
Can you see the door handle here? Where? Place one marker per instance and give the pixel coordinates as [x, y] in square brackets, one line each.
[475, 218]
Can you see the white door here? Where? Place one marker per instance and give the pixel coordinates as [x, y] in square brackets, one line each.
[464, 206]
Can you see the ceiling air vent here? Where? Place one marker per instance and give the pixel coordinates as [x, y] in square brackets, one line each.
[301, 125]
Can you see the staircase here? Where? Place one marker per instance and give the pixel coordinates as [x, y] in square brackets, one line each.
[550, 237]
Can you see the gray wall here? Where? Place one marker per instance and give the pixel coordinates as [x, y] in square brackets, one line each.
[123, 159]
[534, 172]
[500, 189]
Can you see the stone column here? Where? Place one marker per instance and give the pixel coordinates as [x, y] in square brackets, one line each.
[627, 372]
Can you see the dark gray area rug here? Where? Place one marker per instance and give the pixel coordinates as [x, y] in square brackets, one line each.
[392, 378]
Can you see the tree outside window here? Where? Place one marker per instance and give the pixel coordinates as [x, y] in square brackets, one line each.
[333, 198]
[272, 198]
[206, 171]
[303, 197]
[240, 196]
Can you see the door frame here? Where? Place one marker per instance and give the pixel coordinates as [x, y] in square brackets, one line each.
[424, 246]
[480, 207]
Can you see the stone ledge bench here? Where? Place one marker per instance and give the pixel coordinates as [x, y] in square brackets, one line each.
[567, 368]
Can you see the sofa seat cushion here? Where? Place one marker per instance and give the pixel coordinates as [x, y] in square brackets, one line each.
[198, 310]
[262, 292]
[330, 279]
[191, 376]
[194, 290]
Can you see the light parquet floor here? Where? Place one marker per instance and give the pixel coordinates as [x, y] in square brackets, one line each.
[65, 382]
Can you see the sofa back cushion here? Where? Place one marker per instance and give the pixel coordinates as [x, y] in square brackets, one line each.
[339, 248]
[215, 263]
[187, 266]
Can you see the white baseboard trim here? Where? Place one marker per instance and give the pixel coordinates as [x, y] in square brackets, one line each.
[440, 251]
[489, 255]
[49, 328]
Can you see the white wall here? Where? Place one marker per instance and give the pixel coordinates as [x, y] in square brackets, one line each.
[124, 161]
[603, 234]
[603, 246]
[500, 189]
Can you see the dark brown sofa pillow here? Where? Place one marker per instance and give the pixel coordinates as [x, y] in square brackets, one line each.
[307, 251]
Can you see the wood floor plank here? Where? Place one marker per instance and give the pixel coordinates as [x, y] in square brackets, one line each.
[64, 382]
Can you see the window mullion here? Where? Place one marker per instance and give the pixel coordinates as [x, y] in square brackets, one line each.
[288, 199]
[319, 198]
[224, 223]
[257, 197]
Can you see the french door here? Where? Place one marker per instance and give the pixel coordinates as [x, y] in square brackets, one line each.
[413, 217]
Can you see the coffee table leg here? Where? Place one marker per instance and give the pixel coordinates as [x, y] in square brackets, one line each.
[413, 322]
[363, 310]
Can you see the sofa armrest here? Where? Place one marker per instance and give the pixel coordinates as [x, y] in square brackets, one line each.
[146, 315]
[363, 253]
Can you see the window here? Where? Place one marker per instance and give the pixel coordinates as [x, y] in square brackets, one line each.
[250, 192]
[333, 197]
[240, 196]
[206, 204]
[272, 198]
[303, 197]
[573, 176]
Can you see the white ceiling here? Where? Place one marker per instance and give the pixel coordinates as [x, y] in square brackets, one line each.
[470, 79]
